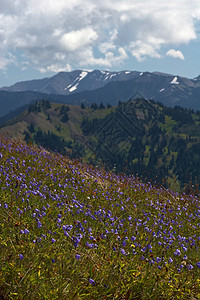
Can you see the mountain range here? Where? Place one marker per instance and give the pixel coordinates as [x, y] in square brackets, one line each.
[66, 83]
[86, 87]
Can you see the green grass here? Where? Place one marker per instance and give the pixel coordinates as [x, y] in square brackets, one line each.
[99, 113]
[169, 124]
[66, 225]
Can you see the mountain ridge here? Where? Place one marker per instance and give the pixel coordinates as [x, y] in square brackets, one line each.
[103, 86]
[66, 83]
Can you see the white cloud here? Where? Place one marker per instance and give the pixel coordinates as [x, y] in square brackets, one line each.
[6, 59]
[108, 60]
[56, 68]
[60, 35]
[141, 50]
[105, 47]
[77, 39]
[175, 54]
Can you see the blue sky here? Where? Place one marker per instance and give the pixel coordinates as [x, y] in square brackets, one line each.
[40, 38]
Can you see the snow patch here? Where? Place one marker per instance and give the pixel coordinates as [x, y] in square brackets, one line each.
[162, 90]
[127, 72]
[68, 87]
[174, 81]
[104, 72]
[112, 75]
[73, 88]
[82, 75]
[141, 74]
[106, 78]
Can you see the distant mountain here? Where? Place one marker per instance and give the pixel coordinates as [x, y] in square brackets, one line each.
[66, 83]
[103, 86]
[167, 89]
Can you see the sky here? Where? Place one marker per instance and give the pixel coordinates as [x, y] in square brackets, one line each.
[39, 38]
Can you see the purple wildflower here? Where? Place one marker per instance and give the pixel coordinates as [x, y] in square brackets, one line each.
[190, 267]
[26, 231]
[21, 257]
[124, 243]
[39, 224]
[177, 252]
[91, 281]
[89, 245]
[170, 260]
[123, 251]
[134, 252]
[158, 259]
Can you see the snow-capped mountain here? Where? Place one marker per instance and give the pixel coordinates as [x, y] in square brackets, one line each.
[65, 83]
[87, 87]
[168, 89]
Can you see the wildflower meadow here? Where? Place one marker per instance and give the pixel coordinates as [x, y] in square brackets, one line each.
[69, 230]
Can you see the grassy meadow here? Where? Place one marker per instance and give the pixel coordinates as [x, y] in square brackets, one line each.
[72, 231]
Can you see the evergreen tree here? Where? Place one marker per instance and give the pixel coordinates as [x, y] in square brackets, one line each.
[94, 106]
[101, 106]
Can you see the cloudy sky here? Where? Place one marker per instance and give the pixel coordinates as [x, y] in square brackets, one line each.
[39, 38]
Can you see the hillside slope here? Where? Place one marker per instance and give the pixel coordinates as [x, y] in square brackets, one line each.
[138, 137]
[72, 231]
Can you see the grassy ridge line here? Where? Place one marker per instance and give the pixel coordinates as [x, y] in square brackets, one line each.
[72, 231]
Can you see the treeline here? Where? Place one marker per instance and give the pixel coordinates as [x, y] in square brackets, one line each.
[95, 106]
[179, 114]
[53, 142]
[39, 105]
[47, 140]
[148, 148]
